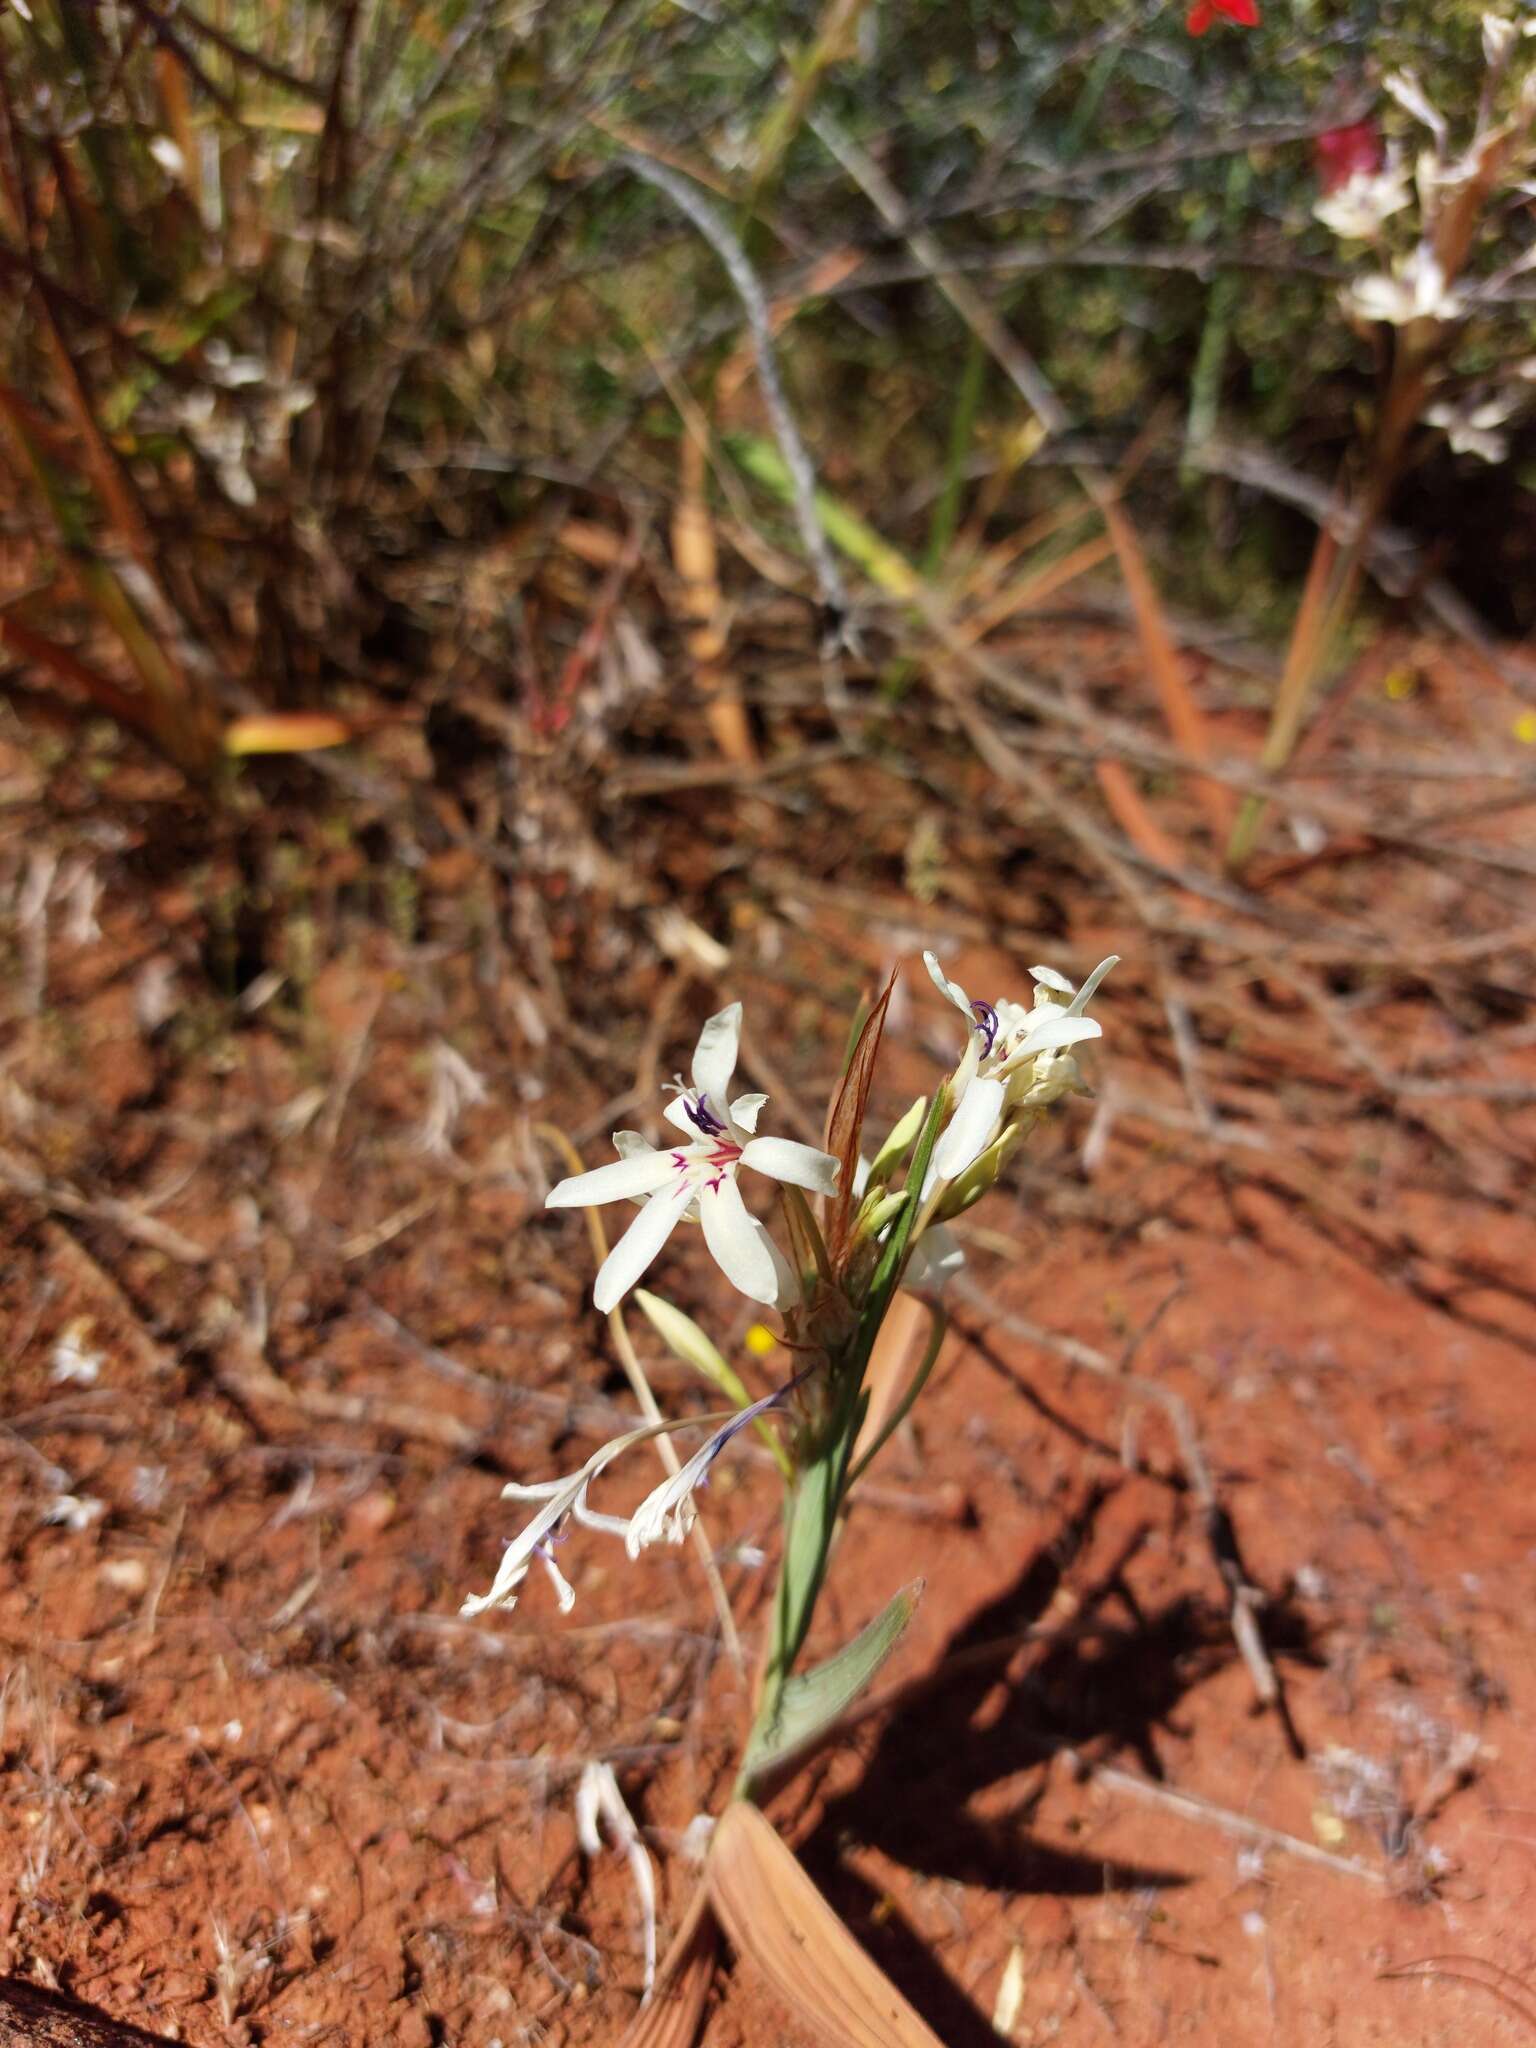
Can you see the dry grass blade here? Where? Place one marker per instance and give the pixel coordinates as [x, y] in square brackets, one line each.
[1133, 817]
[776, 1917]
[100, 689]
[846, 1120]
[1180, 711]
[1475, 1970]
[697, 559]
[285, 732]
[670, 2018]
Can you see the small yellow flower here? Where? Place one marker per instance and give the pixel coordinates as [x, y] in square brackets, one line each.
[761, 1340]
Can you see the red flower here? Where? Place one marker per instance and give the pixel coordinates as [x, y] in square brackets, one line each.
[1204, 13]
[1342, 152]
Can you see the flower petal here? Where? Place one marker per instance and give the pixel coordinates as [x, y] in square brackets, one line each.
[1048, 977]
[714, 1057]
[639, 1245]
[1089, 989]
[1051, 1029]
[935, 1257]
[676, 1114]
[641, 1174]
[965, 1135]
[745, 1111]
[734, 1243]
[785, 1281]
[951, 991]
[668, 1512]
[803, 1166]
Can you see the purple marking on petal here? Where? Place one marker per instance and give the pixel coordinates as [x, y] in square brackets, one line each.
[702, 1117]
[986, 1024]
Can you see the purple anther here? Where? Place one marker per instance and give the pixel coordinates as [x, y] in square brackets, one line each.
[702, 1117]
[986, 1024]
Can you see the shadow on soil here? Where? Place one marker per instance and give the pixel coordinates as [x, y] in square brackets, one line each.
[1115, 1678]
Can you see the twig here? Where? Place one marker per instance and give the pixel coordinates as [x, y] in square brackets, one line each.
[690, 201]
[1192, 1807]
[66, 1201]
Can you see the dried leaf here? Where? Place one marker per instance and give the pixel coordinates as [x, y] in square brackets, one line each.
[102, 691]
[285, 732]
[845, 1124]
[671, 2017]
[777, 1919]
[696, 557]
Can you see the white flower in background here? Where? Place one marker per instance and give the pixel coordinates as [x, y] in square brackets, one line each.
[168, 156]
[1415, 290]
[669, 1511]
[1015, 1057]
[697, 1179]
[1472, 427]
[1405, 88]
[1356, 209]
[1499, 35]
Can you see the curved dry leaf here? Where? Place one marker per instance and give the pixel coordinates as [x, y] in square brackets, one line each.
[776, 1917]
[671, 2017]
[845, 1121]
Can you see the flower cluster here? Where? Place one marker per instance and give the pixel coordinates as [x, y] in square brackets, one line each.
[1017, 1060]
[1441, 189]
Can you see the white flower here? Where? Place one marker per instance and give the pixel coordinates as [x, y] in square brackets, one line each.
[1015, 1056]
[1405, 88]
[669, 1511]
[168, 156]
[1499, 35]
[1473, 429]
[1356, 209]
[935, 1259]
[697, 1179]
[1415, 290]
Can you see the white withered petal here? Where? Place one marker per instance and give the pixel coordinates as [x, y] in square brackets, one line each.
[669, 1511]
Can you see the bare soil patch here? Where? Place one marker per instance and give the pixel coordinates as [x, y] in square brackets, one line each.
[278, 1317]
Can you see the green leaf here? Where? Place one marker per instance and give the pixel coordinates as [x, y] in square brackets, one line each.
[811, 1702]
